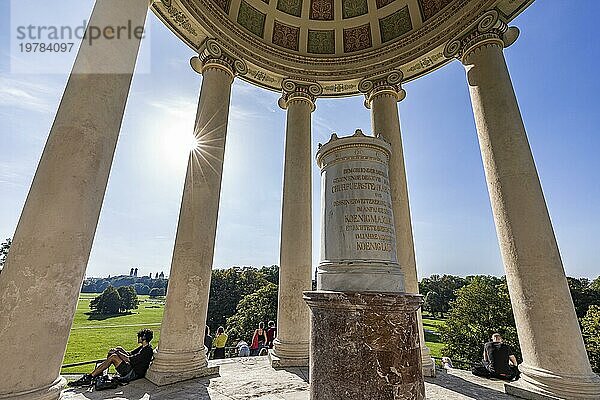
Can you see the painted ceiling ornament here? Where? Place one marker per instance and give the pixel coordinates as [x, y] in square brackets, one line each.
[387, 84]
[212, 54]
[282, 38]
[299, 90]
[489, 28]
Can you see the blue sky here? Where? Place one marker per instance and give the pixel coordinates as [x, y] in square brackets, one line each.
[553, 66]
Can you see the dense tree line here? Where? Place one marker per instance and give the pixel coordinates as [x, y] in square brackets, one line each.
[143, 285]
[481, 306]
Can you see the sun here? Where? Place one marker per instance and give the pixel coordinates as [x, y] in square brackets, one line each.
[177, 143]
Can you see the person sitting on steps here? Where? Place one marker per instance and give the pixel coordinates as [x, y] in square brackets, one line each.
[499, 361]
[130, 365]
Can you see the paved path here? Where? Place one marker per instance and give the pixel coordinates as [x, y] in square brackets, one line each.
[253, 378]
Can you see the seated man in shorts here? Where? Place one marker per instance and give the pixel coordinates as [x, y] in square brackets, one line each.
[130, 365]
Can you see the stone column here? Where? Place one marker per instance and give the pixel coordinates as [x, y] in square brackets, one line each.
[181, 354]
[40, 283]
[555, 363]
[290, 347]
[382, 95]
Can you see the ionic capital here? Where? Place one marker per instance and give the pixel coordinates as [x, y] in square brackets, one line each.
[213, 55]
[389, 84]
[294, 90]
[489, 29]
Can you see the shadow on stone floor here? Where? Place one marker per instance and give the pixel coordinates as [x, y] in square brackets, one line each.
[301, 373]
[143, 390]
[473, 387]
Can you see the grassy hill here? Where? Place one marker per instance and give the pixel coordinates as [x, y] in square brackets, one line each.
[90, 339]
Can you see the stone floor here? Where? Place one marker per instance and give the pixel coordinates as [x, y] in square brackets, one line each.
[253, 378]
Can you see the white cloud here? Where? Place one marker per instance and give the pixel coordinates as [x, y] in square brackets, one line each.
[26, 94]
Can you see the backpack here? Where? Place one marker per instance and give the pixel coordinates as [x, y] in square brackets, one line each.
[106, 382]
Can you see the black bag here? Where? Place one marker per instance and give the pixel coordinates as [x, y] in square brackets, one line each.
[106, 382]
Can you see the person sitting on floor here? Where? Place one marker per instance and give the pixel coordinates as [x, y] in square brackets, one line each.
[499, 361]
[130, 365]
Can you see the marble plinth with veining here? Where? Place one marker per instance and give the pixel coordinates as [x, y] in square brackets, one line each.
[364, 346]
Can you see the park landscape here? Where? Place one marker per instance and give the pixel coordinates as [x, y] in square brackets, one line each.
[459, 314]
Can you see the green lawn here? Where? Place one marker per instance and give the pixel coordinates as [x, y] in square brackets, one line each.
[91, 339]
[432, 340]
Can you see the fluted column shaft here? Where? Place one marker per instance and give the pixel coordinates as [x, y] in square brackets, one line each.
[181, 354]
[290, 347]
[382, 97]
[40, 283]
[555, 362]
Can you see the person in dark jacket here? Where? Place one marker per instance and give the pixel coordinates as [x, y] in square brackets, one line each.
[130, 365]
[499, 361]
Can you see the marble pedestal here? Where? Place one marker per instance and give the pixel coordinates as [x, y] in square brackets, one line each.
[364, 346]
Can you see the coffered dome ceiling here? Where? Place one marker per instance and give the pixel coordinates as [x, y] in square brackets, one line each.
[333, 42]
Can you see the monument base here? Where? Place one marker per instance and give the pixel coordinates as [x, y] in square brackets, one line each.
[171, 367]
[364, 346]
[49, 392]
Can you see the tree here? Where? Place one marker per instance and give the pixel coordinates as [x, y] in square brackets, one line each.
[155, 292]
[434, 303]
[4, 247]
[591, 335]
[596, 284]
[108, 303]
[260, 306]
[481, 308]
[445, 286]
[227, 288]
[271, 274]
[141, 288]
[584, 295]
[89, 286]
[129, 300]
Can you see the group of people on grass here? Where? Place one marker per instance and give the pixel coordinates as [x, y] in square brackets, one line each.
[262, 340]
[498, 361]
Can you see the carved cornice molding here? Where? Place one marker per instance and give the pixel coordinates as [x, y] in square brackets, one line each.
[295, 90]
[213, 55]
[389, 84]
[488, 29]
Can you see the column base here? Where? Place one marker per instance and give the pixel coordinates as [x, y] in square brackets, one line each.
[364, 346]
[49, 392]
[538, 384]
[286, 354]
[174, 366]
[428, 362]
